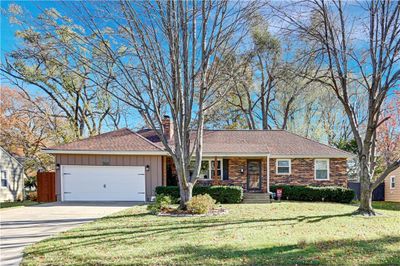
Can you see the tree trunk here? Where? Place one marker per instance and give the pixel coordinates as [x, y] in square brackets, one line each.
[365, 207]
[186, 195]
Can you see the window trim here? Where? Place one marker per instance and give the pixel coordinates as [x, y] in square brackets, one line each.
[210, 171]
[3, 176]
[315, 170]
[392, 182]
[290, 166]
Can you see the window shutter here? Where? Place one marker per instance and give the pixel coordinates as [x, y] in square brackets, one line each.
[226, 169]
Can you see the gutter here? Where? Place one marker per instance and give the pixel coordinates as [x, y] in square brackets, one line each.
[94, 152]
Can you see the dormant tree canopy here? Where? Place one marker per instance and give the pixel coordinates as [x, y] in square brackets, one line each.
[167, 58]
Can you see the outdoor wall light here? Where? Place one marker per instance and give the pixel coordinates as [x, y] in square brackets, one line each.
[242, 170]
[147, 167]
[58, 166]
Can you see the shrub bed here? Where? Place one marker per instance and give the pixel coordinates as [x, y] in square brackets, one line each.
[201, 204]
[308, 193]
[161, 203]
[222, 194]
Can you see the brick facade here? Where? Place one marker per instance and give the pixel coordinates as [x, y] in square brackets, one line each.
[302, 173]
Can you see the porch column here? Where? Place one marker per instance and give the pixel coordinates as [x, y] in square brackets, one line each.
[164, 170]
[268, 191]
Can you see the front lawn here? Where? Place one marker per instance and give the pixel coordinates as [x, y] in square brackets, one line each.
[386, 205]
[278, 233]
[17, 204]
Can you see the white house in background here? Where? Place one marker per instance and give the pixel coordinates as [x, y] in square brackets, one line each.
[12, 177]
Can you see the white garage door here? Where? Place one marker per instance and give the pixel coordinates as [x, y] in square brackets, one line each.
[103, 183]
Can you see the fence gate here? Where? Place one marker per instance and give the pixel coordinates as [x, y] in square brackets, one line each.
[46, 186]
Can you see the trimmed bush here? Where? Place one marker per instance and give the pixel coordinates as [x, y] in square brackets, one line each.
[309, 193]
[222, 194]
[172, 191]
[32, 196]
[201, 204]
[162, 202]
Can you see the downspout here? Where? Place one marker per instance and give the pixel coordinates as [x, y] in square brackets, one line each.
[268, 190]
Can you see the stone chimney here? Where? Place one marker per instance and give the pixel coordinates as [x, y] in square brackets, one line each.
[168, 127]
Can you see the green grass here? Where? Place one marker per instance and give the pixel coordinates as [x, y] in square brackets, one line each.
[382, 205]
[386, 205]
[17, 204]
[278, 233]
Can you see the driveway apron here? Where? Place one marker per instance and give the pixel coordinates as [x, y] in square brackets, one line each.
[26, 225]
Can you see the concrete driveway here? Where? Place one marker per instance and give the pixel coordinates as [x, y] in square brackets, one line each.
[23, 226]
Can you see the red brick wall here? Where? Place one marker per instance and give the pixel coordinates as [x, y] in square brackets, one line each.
[238, 178]
[303, 173]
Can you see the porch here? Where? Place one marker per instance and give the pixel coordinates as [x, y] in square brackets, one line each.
[250, 173]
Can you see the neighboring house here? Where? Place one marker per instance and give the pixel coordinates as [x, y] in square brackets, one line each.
[127, 166]
[392, 186]
[12, 177]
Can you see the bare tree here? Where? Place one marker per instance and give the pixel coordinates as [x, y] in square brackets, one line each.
[54, 59]
[167, 58]
[349, 61]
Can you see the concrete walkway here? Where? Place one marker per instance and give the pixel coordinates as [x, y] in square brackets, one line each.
[26, 225]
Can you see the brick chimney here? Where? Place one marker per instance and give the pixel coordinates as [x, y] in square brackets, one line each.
[168, 127]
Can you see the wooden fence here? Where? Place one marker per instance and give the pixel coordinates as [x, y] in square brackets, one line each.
[46, 186]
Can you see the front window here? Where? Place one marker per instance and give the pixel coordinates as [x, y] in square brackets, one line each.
[207, 169]
[392, 182]
[283, 166]
[322, 169]
[4, 179]
[219, 164]
[204, 172]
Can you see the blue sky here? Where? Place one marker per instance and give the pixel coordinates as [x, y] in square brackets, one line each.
[8, 41]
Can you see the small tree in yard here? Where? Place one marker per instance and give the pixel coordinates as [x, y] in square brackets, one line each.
[388, 134]
[355, 51]
[167, 58]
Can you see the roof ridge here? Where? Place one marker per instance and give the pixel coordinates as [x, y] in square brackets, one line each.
[326, 145]
[148, 141]
[249, 130]
[241, 129]
[92, 137]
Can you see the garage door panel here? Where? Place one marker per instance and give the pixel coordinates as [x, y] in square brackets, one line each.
[103, 183]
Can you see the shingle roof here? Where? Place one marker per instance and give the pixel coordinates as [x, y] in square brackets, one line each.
[119, 140]
[149, 134]
[273, 142]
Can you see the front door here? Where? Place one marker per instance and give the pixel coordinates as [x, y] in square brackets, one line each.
[253, 175]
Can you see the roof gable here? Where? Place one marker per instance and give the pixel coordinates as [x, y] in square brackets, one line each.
[9, 155]
[119, 140]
